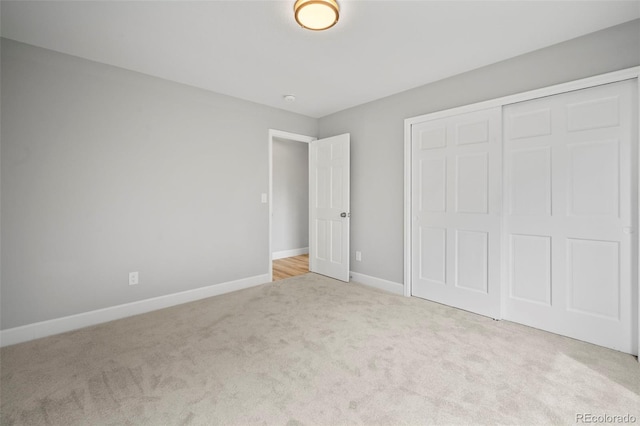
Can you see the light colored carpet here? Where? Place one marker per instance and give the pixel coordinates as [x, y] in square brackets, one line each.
[311, 350]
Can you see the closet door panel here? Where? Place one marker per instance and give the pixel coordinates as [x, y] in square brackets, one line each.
[569, 218]
[456, 187]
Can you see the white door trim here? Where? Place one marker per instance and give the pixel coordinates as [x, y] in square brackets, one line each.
[291, 137]
[612, 77]
[638, 207]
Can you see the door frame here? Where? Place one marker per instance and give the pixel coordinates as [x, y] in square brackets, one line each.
[612, 77]
[293, 137]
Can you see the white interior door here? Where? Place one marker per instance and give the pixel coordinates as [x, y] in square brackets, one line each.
[456, 206]
[571, 185]
[329, 216]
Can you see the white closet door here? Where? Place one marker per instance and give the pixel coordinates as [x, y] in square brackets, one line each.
[456, 208]
[570, 230]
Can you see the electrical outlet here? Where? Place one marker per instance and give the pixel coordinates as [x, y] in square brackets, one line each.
[133, 278]
[358, 256]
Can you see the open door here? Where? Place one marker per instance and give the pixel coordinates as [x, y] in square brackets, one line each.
[329, 181]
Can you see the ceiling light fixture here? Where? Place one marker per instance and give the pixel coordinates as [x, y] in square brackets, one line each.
[316, 15]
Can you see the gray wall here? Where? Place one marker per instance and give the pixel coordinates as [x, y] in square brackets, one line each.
[290, 226]
[377, 132]
[106, 171]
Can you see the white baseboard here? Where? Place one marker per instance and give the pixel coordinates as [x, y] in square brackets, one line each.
[288, 253]
[37, 330]
[390, 286]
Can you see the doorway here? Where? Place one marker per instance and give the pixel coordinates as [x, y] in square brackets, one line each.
[328, 198]
[289, 206]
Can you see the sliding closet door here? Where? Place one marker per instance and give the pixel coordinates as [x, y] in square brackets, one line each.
[456, 178]
[570, 227]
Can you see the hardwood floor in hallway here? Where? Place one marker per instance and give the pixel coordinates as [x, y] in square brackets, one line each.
[290, 267]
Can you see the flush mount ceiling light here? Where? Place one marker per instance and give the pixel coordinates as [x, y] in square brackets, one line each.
[316, 15]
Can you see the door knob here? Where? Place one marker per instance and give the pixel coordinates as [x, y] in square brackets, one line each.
[343, 214]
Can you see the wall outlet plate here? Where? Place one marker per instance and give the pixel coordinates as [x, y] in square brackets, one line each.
[133, 278]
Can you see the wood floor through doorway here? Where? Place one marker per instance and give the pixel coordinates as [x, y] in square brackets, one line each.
[290, 267]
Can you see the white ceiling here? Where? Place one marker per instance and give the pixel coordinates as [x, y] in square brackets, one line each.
[255, 51]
